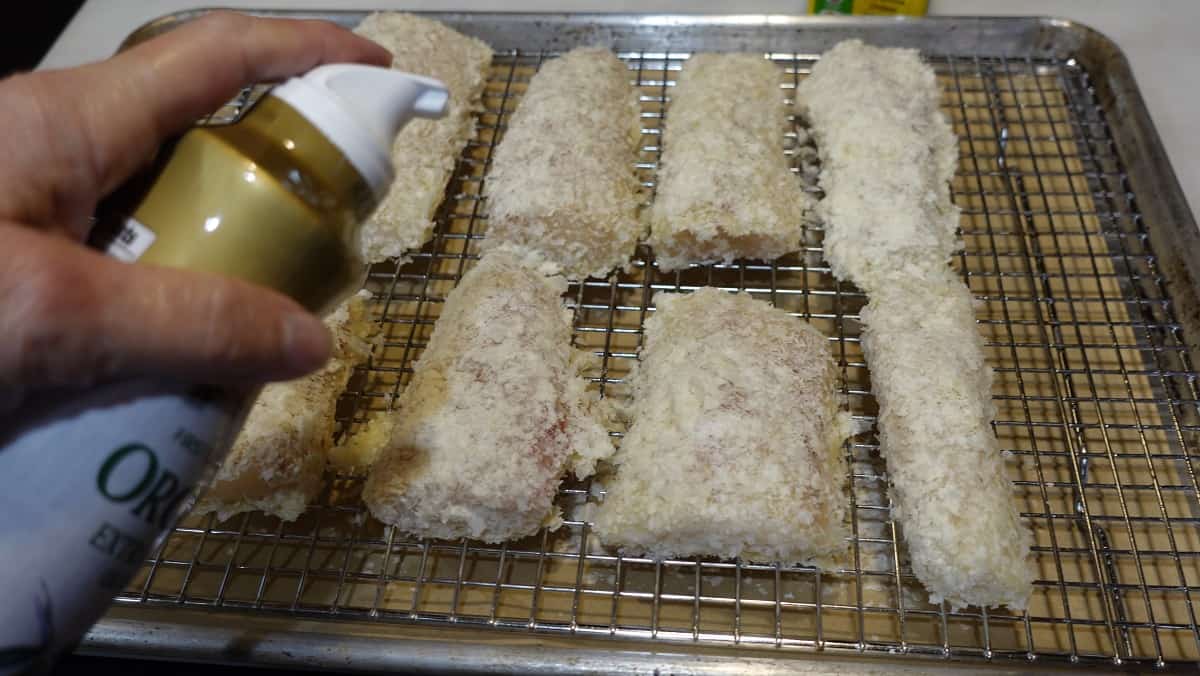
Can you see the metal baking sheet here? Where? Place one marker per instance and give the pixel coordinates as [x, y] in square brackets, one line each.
[1081, 250]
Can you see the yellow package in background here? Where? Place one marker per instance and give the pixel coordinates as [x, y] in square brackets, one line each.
[862, 7]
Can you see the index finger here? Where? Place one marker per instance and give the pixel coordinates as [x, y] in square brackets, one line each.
[135, 100]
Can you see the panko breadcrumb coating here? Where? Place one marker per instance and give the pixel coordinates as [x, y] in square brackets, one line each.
[495, 415]
[425, 151]
[724, 187]
[562, 181]
[887, 155]
[949, 485]
[735, 447]
[278, 461]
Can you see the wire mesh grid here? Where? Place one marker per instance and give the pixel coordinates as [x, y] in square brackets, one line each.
[1096, 408]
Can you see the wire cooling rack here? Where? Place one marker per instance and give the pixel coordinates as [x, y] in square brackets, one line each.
[1096, 408]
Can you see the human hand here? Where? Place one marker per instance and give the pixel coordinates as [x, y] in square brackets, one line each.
[70, 316]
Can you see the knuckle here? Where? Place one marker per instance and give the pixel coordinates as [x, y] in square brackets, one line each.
[53, 290]
[48, 317]
[216, 330]
[237, 332]
[224, 22]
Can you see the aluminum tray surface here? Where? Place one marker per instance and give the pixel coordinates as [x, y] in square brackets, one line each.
[1078, 246]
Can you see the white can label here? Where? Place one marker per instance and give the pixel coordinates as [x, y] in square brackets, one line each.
[131, 242]
[85, 490]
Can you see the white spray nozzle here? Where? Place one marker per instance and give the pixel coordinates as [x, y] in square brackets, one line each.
[361, 109]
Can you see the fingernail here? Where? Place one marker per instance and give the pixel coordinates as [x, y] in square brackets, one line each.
[306, 342]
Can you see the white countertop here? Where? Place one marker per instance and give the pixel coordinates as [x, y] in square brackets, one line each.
[1159, 39]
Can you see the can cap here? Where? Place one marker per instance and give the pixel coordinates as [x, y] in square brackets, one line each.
[360, 109]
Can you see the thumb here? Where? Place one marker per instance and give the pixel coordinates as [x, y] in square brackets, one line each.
[74, 317]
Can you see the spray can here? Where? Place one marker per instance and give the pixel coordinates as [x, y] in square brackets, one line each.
[89, 485]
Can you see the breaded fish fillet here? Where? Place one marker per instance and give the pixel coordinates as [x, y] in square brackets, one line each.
[425, 151]
[278, 461]
[949, 485]
[495, 415]
[562, 181]
[735, 447]
[724, 187]
[887, 156]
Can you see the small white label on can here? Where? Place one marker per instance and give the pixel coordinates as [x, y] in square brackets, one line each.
[131, 242]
